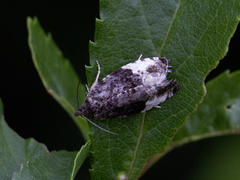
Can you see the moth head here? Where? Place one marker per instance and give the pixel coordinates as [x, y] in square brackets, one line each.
[81, 111]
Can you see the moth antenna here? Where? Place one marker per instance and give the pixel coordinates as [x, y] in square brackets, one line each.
[97, 125]
[87, 88]
[77, 93]
[140, 57]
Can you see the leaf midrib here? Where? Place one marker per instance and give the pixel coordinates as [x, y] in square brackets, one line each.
[143, 118]
[169, 28]
[137, 145]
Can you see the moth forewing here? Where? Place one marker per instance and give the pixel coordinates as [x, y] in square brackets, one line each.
[134, 88]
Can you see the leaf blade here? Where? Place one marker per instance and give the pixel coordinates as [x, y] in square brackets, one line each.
[183, 41]
[28, 159]
[56, 72]
[219, 112]
[201, 123]
[80, 158]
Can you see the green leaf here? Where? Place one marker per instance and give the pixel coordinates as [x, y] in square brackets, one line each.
[219, 114]
[54, 165]
[56, 72]
[193, 34]
[80, 158]
[14, 151]
[28, 159]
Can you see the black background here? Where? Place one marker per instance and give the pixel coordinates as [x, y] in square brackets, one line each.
[32, 112]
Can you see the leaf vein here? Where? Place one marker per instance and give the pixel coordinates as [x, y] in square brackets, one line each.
[169, 28]
[137, 145]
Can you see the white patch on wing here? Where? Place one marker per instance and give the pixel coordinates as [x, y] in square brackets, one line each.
[154, 81]
[139, 65]
[150, 79]
[155, 101]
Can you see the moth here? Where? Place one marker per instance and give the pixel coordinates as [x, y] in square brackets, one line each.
[134, 88]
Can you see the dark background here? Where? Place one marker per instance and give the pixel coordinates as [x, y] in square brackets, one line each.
[32, 112]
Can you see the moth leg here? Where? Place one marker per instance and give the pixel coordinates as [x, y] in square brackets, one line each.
[140, 57]
[157, 107]
[87, 88]
[96, 80]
